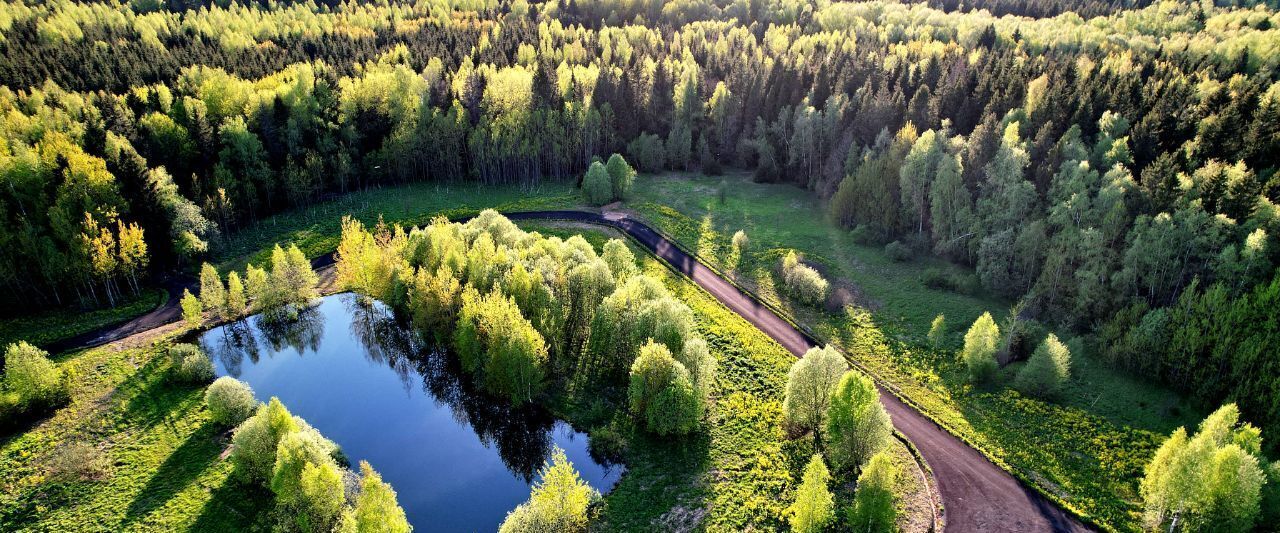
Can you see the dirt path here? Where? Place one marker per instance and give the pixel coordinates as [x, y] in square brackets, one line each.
[976, 494]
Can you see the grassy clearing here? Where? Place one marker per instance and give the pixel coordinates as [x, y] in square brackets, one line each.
[1088, 448]
[62, 324]
[159, 454]
[317, 229]
[703, 214]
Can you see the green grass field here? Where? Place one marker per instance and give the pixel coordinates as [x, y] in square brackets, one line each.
[158, 456]
[1087, 448]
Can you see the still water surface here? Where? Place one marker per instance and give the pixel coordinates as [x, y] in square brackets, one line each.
[458, 459]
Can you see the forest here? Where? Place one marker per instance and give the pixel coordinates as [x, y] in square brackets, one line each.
[1108, 167]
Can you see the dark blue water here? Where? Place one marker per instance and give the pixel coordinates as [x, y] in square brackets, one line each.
[458, 459]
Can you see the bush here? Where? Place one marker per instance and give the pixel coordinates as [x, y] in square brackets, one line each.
[32, 383]
[800, 281]
[898, 252]
[980, 345]
[230, 401]
[648, 152]
[1047, 370]
[77, 461]
[189, 364]
[596, 188]
[608, 444]
[864, 235]
[661, 394]
[1020, 338]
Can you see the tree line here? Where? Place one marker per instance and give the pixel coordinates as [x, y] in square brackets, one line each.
[527, 314]
[1081, 166]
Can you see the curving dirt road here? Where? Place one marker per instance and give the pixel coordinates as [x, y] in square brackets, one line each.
[976, 494]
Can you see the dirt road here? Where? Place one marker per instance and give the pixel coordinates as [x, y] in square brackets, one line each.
[976, 494]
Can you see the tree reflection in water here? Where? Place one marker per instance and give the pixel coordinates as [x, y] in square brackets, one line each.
[521, 435]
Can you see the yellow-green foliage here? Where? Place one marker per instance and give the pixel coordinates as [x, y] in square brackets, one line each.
[560, 501]
[376, 509]
[814, 508]
[874, 507]
[980, 344]
[661, 392]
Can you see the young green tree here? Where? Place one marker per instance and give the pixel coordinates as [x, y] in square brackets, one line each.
[253, 446]
[661, 394]
[596, 186]
[814, 508]
[257, 287]
[648, 151]
[738, 246]
[621, 176]
[494, 340]
[559, 501]
[237, 303]
[376, 509]
[292, 277]
[810, 385]
[192, 309]
[1047, 369]
[980, 345]
[1211, 480]
[622, 263]
[295, 451]
[938, 331]
[213, 296]
[857, 424]
[320, 497]
[874, 502]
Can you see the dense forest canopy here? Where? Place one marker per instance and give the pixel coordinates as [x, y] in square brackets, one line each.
[1111, 165]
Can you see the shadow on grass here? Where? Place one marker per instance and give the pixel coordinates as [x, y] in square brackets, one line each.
[234, 506]
[196, 454]
[662, 474]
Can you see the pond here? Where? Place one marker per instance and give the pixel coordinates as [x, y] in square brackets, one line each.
[458, 459]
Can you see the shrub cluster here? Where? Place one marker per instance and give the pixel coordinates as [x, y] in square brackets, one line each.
[801, 281]
[230, 401]
[303, 470]
[31, 384]
[278, 294]
[607, 182]
[189, 364]
[522, 310]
